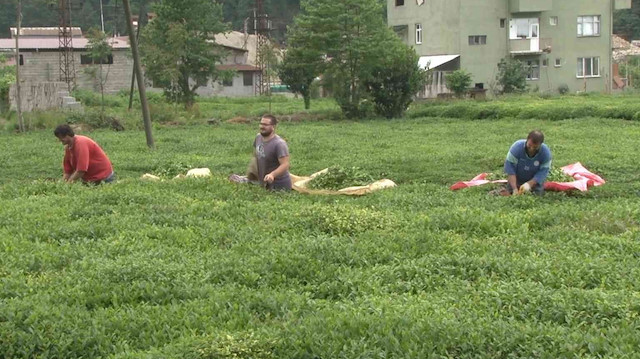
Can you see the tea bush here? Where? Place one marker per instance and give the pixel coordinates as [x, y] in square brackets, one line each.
[206, 268]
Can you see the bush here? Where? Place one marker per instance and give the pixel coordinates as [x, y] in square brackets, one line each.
[458, 82]
[512, 75]
[395, 81]
[95, 119]
[563, 89]
[90, 98]
[163, 113]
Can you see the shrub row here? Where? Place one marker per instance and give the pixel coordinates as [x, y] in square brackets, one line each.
[543, 110]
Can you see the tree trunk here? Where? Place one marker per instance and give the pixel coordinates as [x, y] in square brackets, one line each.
[18, 89]
[306, 95]
[138, 69]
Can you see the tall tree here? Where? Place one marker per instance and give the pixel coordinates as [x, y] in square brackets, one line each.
[353, 36]
[298, 69]
[178, 50]
[100, 53]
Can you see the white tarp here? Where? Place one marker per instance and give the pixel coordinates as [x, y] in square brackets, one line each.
[434, 61]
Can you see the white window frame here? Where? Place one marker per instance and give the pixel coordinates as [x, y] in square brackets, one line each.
[418, 34]
[558, 62]
[524, 25]
[531, 65]
[588, 63]
[553, 20]
[589, 25]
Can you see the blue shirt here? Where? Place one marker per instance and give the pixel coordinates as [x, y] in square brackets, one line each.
[524, 167]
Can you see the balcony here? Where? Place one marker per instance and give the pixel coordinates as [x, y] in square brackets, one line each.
[622, 4]
[535, 46]
[530, 5]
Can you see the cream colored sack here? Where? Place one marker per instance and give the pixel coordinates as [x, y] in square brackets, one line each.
[300, 185]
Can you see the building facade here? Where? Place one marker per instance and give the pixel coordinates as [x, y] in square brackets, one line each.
[562, 42]
[40, 62]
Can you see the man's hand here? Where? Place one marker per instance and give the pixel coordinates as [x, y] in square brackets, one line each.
[525, 188]
[269, 178]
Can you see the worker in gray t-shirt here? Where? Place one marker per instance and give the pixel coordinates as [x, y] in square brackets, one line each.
[272, 155]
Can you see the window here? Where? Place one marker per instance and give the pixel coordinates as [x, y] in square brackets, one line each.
[545, 63]
[503, 23]
[202, 82]
[521, 28]
[553, 20]
[247, 78]
[588, 67]
[558, 62]
[418, 33]
[21, 60]
[589, 25]
[87, 60]
[533, 70]
[399, 2]
[227, 82]
[478, 40]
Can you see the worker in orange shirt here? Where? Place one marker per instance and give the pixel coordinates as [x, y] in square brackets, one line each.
[83, 158]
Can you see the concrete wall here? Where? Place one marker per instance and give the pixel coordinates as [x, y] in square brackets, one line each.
[38, 96]
[41, 66]
[238, 89]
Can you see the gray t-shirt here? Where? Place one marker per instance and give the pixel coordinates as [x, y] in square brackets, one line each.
[267, 154]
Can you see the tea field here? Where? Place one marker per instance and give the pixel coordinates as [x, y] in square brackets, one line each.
[205, 268]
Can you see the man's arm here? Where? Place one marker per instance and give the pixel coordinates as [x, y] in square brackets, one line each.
[282, 168]
[74, 176]
[81, 151]
[511, 179]
[510, 168]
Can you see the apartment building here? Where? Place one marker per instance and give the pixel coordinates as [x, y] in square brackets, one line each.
[562, 42]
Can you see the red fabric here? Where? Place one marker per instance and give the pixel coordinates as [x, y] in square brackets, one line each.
[87, 156]
[584, 180]
[478, 180]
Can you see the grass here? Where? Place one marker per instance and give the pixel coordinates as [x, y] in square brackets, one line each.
[209, 269]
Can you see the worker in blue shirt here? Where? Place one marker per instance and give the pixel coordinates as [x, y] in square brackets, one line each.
[527, 165]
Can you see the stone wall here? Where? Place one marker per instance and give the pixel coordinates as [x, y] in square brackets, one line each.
[39, 96]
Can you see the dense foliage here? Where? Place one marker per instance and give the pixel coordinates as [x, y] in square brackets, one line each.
[395, 80]
[299, 68]
[512, 75]
[211, 269]
[178, 55]
[458, 82]
[627, 22]
[338, 177]
[7, 78]
[631, 70]
[557, 175]
[538, 107]
[353, 38]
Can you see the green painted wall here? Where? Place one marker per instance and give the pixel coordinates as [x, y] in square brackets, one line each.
[447, 25]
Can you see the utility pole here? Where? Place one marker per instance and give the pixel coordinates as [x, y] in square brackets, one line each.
[138, 70]
[18, 89]
[101, 16]
[143, 12]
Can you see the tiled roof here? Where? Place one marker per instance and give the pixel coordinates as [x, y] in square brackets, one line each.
[52, 43]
